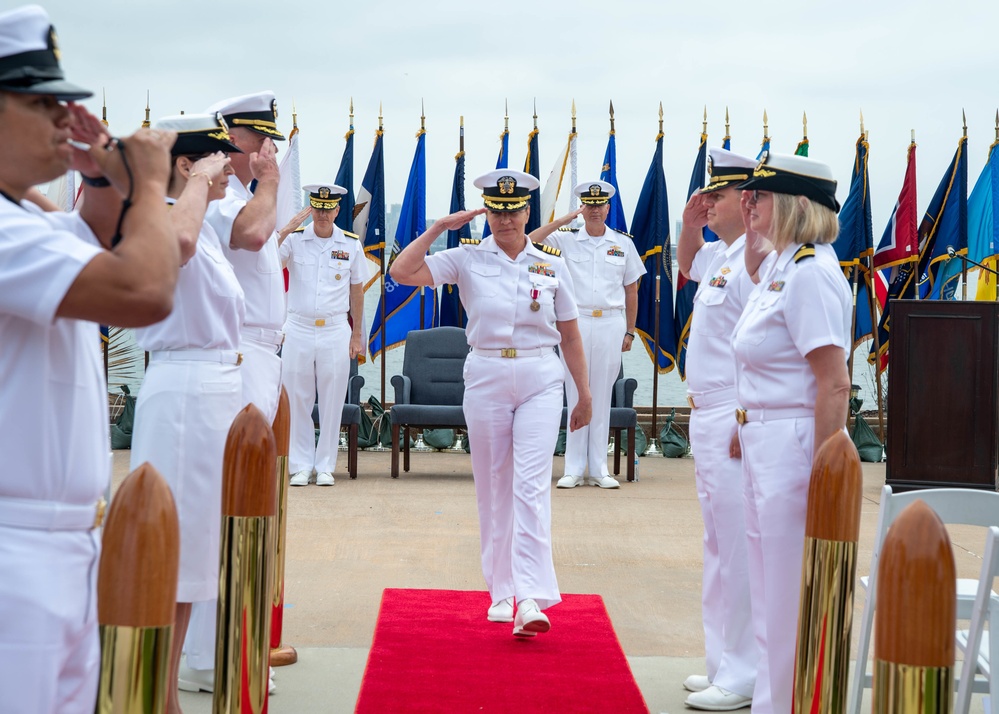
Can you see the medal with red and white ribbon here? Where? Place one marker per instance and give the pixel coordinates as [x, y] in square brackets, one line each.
[535, 294]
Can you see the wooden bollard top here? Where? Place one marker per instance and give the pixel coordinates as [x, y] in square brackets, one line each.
[915, 619]
[140, 554]
[282, 424]
[249, 466]
[834, 493]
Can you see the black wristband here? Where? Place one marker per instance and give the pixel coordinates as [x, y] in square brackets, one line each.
[97, 182]
[630, 334]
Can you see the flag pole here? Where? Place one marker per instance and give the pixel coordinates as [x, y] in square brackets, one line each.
[423, 130]
[964, 263]
[653, 447]
[854, 272]
[381, 326]
[572, 160]
[461, 151]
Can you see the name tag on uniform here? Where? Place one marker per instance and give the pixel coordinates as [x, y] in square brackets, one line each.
[776, 286]
[340, 255]
[718, 281]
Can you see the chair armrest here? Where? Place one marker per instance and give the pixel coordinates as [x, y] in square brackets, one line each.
[403, 388]
[624, 392]
[354, 385]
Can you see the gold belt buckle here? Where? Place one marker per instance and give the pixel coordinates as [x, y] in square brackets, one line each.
[597, 313]
[508, 352]
[690, 402]
[239, 358]
[740, 416]
[320, 322]
[102, 507]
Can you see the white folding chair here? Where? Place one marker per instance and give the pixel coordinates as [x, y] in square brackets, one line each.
[954, 506]
[980, 648]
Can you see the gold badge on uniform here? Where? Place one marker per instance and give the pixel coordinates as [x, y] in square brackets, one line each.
[324, 192]
[337, 276]
[506, 185]
[726, 270]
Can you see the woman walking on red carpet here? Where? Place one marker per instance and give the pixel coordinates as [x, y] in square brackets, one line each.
[520, 304]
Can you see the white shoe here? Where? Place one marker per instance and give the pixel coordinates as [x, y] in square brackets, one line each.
[529, 620]
[604, 482]
[569, 482]
[501, 611]
[324, 478]
[195, 680]
[696, 683]
[301, 478]
[716, 699]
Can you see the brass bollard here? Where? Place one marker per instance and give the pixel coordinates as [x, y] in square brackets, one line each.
[136, 595]
[829, 566]
[281, 655]
[246, 570]
[916, 617]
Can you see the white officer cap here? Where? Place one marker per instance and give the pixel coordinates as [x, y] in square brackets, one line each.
[506, 190]
[257, 112]
[727, 168]
[795, 175]
[29, 56]
[198, 134]
[324, 196]
[594, 193]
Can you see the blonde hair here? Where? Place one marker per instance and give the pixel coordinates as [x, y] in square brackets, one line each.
[798, 219]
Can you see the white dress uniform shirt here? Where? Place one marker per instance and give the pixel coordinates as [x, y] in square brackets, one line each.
[54, 438]
[321, 271]
[600, 265]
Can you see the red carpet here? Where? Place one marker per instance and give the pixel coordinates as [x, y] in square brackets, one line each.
[434, 651]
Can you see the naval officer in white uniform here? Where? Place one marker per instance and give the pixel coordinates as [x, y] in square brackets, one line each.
[245, 221]
[519, 299]
[57, 281]
[723, 286]
[327, 271]
[791, 346]
[192, 391]
[605, 268]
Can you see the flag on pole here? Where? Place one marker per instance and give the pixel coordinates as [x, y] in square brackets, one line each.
[650, 227]
[765, 144]
[945, 227]
[899, 243]
[532, 167]
[802, 149]
[369, 211]
[345, 178]
[855, 243]
[553, 186]
[289, 195]
[402, 302]
[502, 162]
[615, 217]
[983, 224]
[451, 312]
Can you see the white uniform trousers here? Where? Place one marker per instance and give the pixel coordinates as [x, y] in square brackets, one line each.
[512, 411]
[586, 448]
[776, 466]
[261, 379]
[49, 645]
[729, 644]
[316, 358]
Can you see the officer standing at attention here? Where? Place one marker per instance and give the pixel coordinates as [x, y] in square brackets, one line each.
[245, 221]
[719, 268]
[605, 268]
[519, 299]
[60, 275]
[327, 271]
[792, 386]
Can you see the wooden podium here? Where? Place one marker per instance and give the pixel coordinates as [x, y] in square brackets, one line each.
[943, 421]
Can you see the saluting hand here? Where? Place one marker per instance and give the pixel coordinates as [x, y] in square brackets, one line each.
[87, 128]
[263, 163]
[216, 166]
[695, 213]
[567, 218]
[456, 220]
[148, 152]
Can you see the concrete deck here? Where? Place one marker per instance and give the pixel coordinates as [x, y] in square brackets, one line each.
[639, 547]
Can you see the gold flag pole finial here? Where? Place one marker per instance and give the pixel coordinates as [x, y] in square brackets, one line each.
[862, 121]
[704, 121]
[461, 133]
[804, 126]
[964, 120]
[423, 117]
[506, 115]
[573, 116]
[728, 136]
[352, 114]
[660, 117]
[380, 116]
[997, 124]
[535, 114]
[104, 107]
[766, 130]
[294, 114]
[912, 138]
[146, 123]
[612, 116]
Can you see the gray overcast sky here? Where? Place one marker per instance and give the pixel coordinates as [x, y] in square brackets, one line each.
[911, 65]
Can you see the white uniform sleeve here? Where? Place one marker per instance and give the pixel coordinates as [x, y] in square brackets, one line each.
[565, 295]
[359, 268]
[286, 248]
[445, 266]
[703, 259]
[634, 268]
[815, 306]
[554, 239]
[222, 214]
[39, 261]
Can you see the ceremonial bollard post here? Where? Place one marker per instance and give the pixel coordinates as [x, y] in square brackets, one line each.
[829, 565]
[246, 570]
[137, 594]
[281, 654]
[915, 620]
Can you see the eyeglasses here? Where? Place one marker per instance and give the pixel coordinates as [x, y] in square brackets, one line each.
[754, 196]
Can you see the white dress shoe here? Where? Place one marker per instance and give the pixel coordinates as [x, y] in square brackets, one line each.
[501, 611]
[696, 683]
[301, 478]
[529, 620]
[716, 699]
[569, 482]
[604, 482]
[203, 680]
[324, 478]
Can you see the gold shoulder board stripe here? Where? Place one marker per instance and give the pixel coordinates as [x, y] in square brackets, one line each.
[351, 235]
[300, 229]
[569, 229]
[805, 251]
[470, 241]
[622, 233]
[547, 249]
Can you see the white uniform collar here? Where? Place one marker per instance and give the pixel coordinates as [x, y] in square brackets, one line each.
[736, 246]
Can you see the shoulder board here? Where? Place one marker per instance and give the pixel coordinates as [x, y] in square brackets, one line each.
[569, 229]
[805, 251]
[352, 235]
[622, 233]
[547, 249]
[470, 241]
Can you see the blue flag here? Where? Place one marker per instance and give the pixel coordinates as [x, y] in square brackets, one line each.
[369, 218]
[765, 146]
[452, 313]
[608, 173]
[685, 289]
[345, 178]
[944, 226]
[650, 227]
[532, 167]
[983, 211]
[502, 162]
[400, 304]
[855, 243]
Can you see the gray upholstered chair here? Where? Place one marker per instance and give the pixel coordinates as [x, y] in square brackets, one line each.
[350, 418]
[429, 392]
[623, 417]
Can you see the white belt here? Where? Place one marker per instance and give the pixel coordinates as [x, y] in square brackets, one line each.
[744, 416]
[51, 515]
[318, 321]
[600, 312]
[262, 334]
[220, 356]
[513, 352]
[711, 399]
